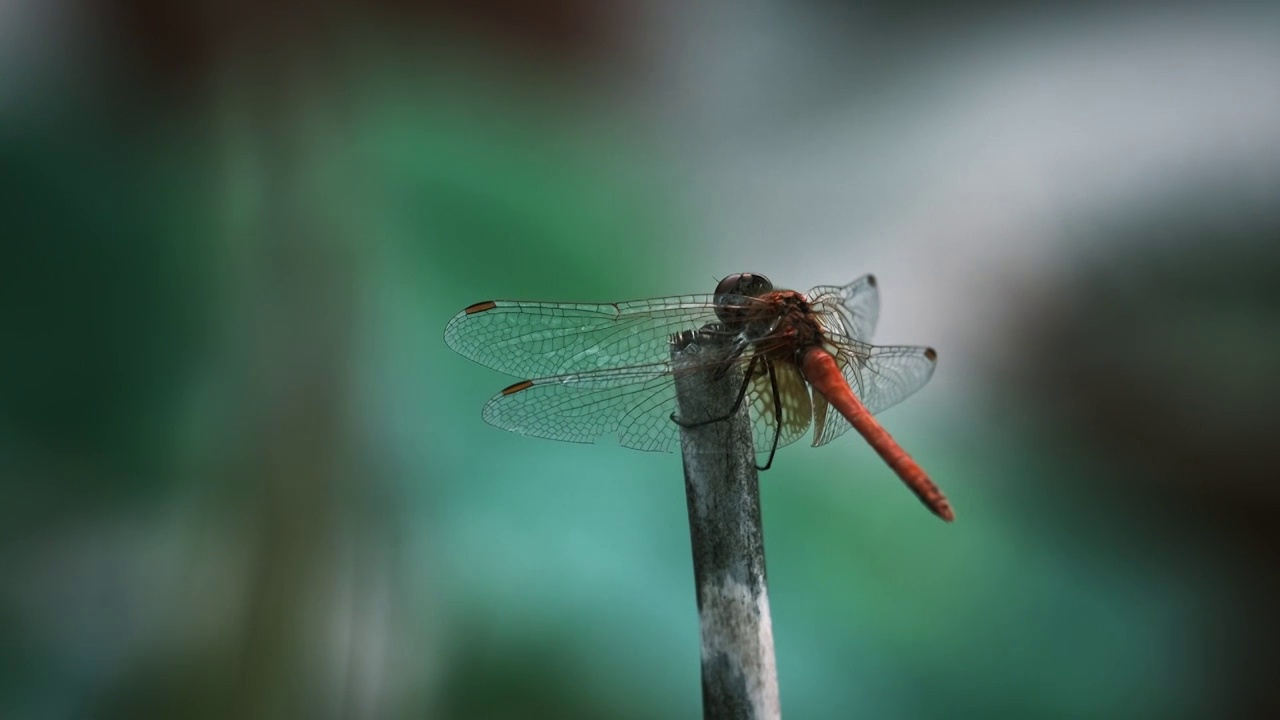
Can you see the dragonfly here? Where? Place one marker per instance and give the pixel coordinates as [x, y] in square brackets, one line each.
[606, 369]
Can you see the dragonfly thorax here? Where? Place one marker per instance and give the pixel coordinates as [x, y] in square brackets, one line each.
[790, 328]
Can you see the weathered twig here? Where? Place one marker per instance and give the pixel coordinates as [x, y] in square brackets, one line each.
[739, 674]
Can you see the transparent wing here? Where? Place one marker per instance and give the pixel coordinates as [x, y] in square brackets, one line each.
[881, 377]
[793, 397]
[851, 309]
[634, 404]
[539, 339]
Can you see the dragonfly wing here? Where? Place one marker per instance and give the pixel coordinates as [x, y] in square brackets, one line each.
[539, 339]
[793, 397]
[634, 404]
[881, 377]
[851, 309]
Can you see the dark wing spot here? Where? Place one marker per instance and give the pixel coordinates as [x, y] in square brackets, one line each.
[513, 389]
[480, 307]
[931, 354]
[871, 280]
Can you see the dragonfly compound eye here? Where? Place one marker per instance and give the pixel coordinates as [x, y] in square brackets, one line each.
[732, 294]
[748, 284]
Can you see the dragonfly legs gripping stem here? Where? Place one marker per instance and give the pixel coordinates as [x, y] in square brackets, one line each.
[742, 392]
[737, 403]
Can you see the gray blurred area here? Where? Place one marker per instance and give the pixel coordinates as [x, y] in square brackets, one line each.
[242, 476]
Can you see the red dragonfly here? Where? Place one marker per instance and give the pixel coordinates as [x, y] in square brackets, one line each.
[606, 369]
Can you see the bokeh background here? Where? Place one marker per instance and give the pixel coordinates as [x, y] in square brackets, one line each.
[242, 476]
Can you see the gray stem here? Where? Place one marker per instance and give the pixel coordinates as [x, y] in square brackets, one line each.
[739, 674]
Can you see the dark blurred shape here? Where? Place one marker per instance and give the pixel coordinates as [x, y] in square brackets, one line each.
[175, 47]
[104, 310]
[1165, 357]
[497, 681]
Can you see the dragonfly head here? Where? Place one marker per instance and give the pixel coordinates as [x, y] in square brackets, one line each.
[733, 293]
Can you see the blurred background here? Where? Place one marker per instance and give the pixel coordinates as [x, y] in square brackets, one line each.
[242, 476]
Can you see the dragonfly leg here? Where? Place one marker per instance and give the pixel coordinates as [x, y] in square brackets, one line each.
[740, 347]
[742, 392]
[777, 415]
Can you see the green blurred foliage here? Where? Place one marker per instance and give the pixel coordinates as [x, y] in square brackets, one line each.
[107, 296]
